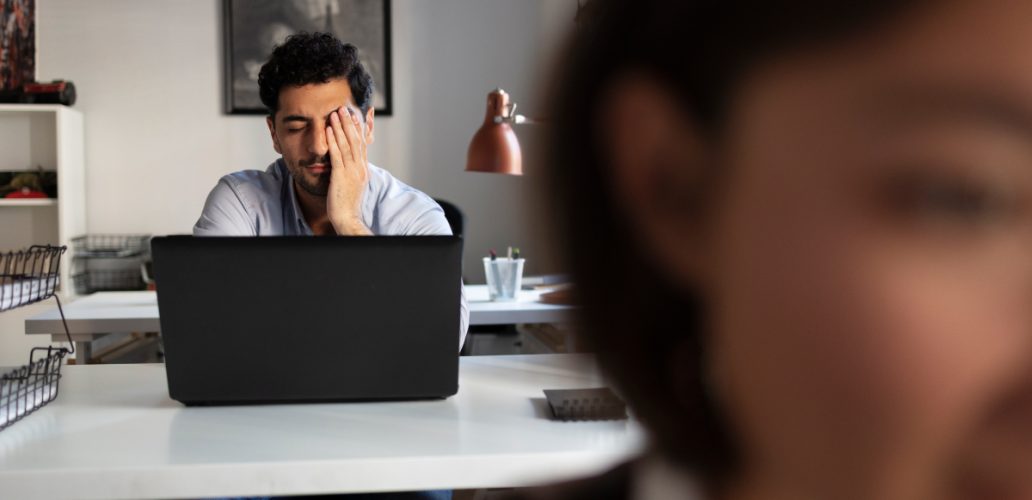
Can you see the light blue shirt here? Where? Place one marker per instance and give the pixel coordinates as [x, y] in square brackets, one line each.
[256, 203]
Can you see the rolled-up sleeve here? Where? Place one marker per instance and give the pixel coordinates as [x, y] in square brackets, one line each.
[463, 315]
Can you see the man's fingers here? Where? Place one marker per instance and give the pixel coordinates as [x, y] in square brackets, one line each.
[354, 138]
[360, 131]
[336, 160]
[336, 122]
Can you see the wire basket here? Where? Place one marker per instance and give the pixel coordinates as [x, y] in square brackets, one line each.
[110, 245]
[91, 281]
[109, 262]
[29, 387]
[27, 277]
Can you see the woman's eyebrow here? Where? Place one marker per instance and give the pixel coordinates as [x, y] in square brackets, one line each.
[953, 103]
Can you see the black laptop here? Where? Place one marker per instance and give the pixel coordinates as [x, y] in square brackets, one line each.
[309, 319]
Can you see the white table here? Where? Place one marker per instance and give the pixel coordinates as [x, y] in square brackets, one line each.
[93, 316]
[113, 432]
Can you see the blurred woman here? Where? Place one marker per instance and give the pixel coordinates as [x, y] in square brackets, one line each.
[802, 234]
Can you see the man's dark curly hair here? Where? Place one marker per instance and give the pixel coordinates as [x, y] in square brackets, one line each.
[306, 58]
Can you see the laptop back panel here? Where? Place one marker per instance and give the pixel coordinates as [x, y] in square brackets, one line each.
[281, 319]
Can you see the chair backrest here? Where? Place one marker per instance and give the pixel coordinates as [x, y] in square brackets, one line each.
[456, 219]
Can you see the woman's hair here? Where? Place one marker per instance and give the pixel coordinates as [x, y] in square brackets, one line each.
[631, 313]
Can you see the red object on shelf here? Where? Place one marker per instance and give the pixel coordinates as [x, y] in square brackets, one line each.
[41, 88]
[26, 193]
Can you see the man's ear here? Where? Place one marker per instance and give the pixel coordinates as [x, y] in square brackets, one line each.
[272, 132]
[369, 126]
[661, 172]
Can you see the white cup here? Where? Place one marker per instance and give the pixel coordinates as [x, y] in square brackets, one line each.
[504, 277]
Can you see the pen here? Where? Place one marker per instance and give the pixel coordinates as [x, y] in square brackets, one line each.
[509, 253]
[494, 274]
[516, 254]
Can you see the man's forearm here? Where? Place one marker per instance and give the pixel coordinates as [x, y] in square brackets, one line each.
[351, 227]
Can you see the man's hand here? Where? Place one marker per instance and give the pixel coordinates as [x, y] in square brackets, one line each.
[349, 173]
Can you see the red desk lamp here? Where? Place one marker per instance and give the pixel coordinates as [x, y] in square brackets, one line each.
[494, 148]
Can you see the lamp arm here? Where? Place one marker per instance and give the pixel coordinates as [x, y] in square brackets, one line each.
[510, 116]
[516, 119]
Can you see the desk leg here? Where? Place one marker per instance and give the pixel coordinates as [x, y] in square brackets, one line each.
[83, 352]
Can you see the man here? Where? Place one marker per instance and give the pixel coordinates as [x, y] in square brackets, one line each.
[319, 98]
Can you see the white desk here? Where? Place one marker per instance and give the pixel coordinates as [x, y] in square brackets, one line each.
[113, 432]
[104, 312]
[118, 312]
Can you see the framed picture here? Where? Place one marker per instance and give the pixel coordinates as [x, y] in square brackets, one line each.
[17, 43]
[254, 27]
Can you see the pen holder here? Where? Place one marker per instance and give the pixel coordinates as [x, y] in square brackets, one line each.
[503, 277]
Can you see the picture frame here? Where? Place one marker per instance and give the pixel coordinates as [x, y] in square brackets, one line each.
[252, 28]
[17, 44]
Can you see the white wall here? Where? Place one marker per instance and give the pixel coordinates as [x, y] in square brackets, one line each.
[149, 78]
[15, 346]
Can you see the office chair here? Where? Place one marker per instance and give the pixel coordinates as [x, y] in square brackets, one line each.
[456, 219]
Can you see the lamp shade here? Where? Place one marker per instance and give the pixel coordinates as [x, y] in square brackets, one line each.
[494, 148]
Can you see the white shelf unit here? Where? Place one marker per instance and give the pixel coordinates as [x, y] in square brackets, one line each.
[52, 137]
[29, 202]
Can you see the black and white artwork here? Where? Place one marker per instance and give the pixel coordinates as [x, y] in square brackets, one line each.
[254, 27]
[17, 43]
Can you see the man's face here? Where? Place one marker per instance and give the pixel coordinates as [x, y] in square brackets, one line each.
[299, 130]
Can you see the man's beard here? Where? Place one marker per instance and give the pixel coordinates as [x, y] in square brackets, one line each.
[319, 186]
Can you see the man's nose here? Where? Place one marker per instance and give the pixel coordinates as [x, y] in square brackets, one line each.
[318, 145]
